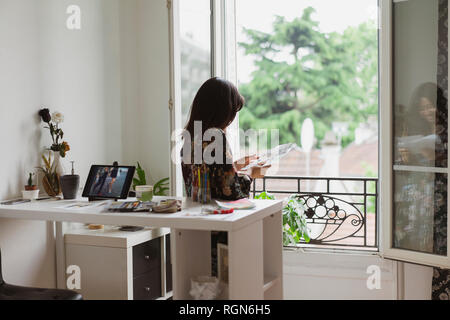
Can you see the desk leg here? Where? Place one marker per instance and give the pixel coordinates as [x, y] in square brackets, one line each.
[60, 256]
[191, 252]
[246, 263]
[273, 257]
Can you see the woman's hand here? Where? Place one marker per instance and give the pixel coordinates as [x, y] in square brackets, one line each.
[259, 172]
[243, 162]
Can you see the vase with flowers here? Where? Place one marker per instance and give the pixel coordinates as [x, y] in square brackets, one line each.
[52, 168]
[53, 122]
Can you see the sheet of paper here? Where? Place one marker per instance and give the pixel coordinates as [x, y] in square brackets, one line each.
[241, 204]
[271, 156]
[83, 205]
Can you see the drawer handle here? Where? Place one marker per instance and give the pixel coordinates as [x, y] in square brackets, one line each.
[147, 289]
[147, 257]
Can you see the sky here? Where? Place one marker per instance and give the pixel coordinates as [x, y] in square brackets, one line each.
[332, 15]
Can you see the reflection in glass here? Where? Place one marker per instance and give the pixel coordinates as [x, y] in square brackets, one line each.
[421, 128]
[195, 46]
[420, 82]
[420, 211]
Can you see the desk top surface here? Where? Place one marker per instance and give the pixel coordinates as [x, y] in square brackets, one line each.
[189, 218]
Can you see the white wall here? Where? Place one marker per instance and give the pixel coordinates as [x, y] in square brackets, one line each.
[339, 276]
[73, 81]
[27, 248]
[417, 282]
[154, 79]
[333, 276]
[45, 64]
[129, 68]
[144, 43]
[110, 79]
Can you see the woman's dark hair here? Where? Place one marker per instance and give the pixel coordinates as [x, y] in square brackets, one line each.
[429, 90]
[216, 104]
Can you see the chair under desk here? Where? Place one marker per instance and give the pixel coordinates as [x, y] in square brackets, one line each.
[254, 241]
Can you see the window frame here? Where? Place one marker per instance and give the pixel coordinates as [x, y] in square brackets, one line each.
[220, 39]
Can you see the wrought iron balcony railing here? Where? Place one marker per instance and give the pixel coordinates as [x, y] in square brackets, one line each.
[340, 212]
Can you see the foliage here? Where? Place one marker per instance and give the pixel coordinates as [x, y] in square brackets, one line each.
[30, 179]
[302, 72]
[294, 220]
[264, 196]
[51, 177]
[161, 188]
[49, 166]
[295, 227]
[141, 179]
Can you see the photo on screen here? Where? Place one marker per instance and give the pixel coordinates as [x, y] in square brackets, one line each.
[108, 182]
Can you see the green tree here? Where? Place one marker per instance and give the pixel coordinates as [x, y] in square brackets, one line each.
[302, 72]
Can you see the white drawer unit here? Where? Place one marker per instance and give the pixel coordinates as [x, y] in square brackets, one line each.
[119, 265]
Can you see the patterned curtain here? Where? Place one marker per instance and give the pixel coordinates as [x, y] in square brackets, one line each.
[441, 277]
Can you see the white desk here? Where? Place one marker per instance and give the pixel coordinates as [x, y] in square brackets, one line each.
[254, 242]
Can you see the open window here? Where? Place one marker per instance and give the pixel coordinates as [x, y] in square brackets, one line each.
[310, 69]
[233, 24]
[414, 93]
[411, 196]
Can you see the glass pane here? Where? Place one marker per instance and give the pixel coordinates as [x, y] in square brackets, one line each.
[421, 83]
[301, 62]
[420, 125]
[420, 211]
[315, 60]
[195, 46]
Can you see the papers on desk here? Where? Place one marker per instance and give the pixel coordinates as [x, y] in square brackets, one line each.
[130, 206]
[241, 204]
[205, 210]
[83, 205]
[168, 206]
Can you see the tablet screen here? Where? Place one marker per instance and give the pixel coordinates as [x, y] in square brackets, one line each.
[109, 182]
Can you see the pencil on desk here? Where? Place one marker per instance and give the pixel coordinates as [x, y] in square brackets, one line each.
[204, 188]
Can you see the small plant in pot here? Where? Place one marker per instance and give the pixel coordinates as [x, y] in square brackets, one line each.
[140, 186]
[30, 186]
[31, 191]
[69, 184]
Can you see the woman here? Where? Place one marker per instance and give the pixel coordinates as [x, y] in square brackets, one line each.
[99, 185]
[424, 135]
[114, 174]
[214, 108]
